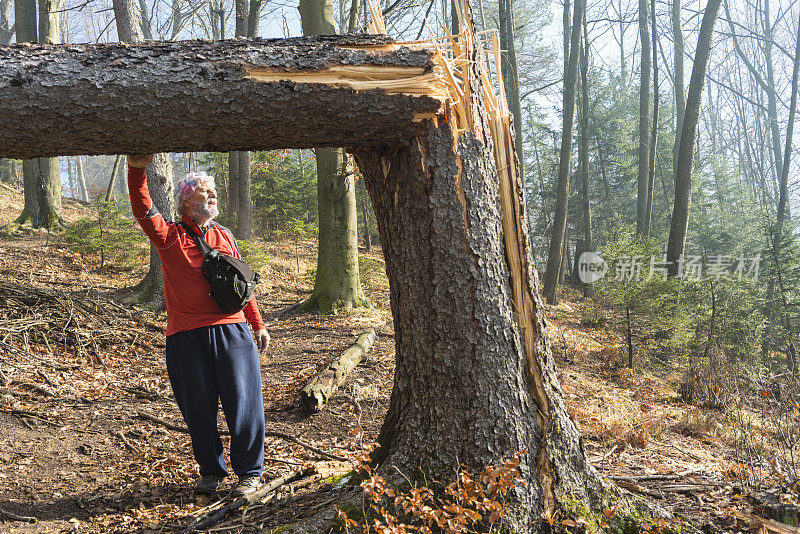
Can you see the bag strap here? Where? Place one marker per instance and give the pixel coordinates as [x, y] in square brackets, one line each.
[204, 247]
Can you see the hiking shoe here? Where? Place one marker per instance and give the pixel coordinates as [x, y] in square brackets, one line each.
[247, 485]
[208, 484]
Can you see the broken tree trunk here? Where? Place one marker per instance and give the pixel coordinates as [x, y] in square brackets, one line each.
[212, 96]
[329, 380]
[475, 378]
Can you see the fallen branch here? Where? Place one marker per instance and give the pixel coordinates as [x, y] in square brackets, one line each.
[35, 387]
[14, 517]
[127, 443]
[263, 491]
[295, 439]
[322, 387]
[268, 433]
[287, 310]
[32, 415]
[689, 488]
[630, 486]
[767, 526]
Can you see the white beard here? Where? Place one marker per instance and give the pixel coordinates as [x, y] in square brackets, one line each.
[205, 211]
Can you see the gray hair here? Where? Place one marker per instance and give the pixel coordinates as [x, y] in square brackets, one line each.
[188, 185]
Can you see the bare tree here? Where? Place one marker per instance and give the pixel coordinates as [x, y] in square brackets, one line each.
[557, 240]
[683, 173]
[644, 122]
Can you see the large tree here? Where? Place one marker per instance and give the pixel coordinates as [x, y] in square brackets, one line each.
[463, 288]
[337, 285]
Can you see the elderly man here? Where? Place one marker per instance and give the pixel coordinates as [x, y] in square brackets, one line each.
[211, 354]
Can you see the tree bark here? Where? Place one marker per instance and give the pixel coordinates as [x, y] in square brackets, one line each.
[644, 121]
[560, 219]
[683, 173]
[455, 330]
[227, 83]
[337, 285]
[464, 300]
[6, 171]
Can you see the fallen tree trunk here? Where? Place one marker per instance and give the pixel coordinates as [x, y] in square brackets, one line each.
[329, 380]
[220, 96]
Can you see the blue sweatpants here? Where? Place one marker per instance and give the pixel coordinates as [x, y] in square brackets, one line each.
[213, 363]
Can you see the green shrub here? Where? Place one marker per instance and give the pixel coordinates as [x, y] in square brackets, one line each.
[113, 238]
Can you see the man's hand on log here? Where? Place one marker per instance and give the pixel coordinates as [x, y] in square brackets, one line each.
[140, 161]
[262, 339]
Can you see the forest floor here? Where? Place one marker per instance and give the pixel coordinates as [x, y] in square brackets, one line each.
[80, 372]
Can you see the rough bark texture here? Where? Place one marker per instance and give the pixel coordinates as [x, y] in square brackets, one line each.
[455, 329]
[322, 387]
[204, 87]
[683, 173]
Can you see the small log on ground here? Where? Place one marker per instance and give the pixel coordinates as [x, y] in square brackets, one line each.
[324, 385]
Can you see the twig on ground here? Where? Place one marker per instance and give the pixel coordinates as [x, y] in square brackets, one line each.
[14, 517]
[263, 491]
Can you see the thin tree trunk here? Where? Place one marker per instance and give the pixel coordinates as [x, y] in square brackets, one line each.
[683, 173]
[644, 122]
[680, 98]
[84, 191]
[651, 167]
[6, 28]
[783, 198]
[253, 17]
[112, 178]
[584, 145]
[554, 258]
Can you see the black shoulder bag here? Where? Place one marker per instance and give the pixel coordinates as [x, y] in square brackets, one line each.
[232, 280]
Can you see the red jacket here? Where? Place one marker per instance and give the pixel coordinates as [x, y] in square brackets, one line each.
[186, 291]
